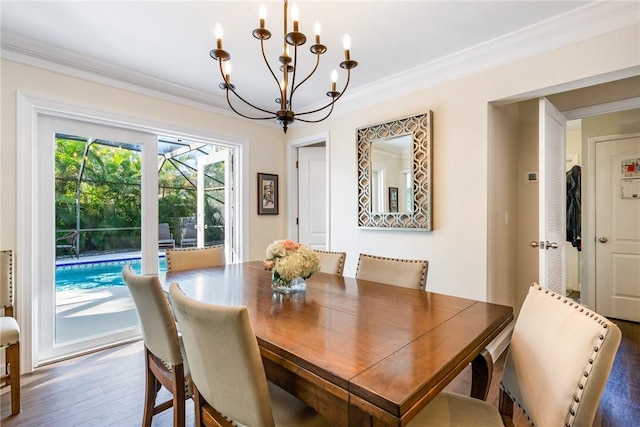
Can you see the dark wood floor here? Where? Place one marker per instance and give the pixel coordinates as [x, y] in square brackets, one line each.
[107, 388]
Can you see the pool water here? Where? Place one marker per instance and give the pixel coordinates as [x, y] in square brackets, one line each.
[96, 275]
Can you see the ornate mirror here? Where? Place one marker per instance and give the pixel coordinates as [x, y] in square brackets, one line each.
[394, 174]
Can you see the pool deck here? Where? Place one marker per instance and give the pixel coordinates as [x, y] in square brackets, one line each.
[83, 313]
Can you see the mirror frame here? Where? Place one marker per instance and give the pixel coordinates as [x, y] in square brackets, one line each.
[420, 127]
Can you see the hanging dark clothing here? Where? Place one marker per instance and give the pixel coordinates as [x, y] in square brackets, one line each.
[573, 207]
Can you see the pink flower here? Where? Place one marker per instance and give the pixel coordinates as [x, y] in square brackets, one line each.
[290, 245]
[268, 264]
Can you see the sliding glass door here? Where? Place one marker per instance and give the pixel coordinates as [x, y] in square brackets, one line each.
[97, 185]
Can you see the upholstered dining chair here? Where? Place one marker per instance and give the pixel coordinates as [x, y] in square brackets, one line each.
[230, 384]
[331, 262]
[559, 360]
[165, 362]
[9, 331]
[193, 258]
[407, 273]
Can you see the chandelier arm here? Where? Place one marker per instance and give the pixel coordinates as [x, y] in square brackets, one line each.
[294, 88]
[317, 120]
[293, 77]
[264, 56]
[229, 87]
[244, 115]
[330, 104]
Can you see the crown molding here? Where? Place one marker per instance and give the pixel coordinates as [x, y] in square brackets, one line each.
[590, 21]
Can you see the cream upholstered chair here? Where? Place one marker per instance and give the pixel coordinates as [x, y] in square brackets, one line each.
[9, 331]
[559, 360]
[331, 262]
[193, 258]
[407, 273]
[165, 362]
[230, 384]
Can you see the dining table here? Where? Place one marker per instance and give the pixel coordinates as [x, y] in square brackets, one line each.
[361, 353]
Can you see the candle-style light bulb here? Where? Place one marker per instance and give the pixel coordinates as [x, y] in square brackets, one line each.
[219, 33]
[334, 80]
[263, 15]
[317, 29]
[227, 71]
[346, 43]
[295, 16]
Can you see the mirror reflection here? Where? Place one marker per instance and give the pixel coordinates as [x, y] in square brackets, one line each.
[391, 177]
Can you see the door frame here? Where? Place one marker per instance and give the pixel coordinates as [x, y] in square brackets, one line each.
[225, 156]
[29, 108]
[587, 272]
[292, 183]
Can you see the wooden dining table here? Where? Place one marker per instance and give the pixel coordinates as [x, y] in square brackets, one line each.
[361, 353]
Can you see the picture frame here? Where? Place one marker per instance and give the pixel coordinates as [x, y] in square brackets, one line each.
[393, 199]
[267, 194]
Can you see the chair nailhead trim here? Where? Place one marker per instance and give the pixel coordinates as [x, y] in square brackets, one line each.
[577, 397]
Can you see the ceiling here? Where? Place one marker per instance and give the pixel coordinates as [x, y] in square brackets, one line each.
[164, 46]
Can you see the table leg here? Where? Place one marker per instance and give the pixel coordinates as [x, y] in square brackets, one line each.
[481, 373]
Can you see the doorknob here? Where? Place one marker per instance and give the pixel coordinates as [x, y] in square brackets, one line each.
[535, 244]
[603, 240]
[552, 245]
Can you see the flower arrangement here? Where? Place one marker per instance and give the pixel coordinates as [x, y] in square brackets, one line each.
[288, 260]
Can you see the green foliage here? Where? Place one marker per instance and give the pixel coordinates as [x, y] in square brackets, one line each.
[108, 194]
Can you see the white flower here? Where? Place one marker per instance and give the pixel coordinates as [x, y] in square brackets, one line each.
[290, 259]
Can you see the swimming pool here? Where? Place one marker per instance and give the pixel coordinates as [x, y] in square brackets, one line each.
[96, 274]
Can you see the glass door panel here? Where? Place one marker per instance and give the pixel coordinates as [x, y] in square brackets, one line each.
[214, 198]
[92, 187]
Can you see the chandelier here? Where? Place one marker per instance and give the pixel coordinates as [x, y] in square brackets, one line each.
[287, 87]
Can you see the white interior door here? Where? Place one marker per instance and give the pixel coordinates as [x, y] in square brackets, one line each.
[617, 203]
[552, 198]
[312, 187]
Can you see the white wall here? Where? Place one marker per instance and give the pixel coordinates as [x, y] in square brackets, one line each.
[457, 248]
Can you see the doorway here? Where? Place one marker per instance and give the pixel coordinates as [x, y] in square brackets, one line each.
[39, 120]
[308, 189]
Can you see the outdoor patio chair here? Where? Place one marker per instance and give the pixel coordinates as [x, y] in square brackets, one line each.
[189, 235]
[408, 273]
[165, 238]
[331, 262]
[559, 360]
[230, 384]
[193, 258]
[70, 240]
[165, 362]
[9, 331]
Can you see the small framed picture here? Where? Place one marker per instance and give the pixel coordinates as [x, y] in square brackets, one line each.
[267, 194]
[393, 199]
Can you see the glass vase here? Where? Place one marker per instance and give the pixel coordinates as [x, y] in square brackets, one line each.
[279, 284]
